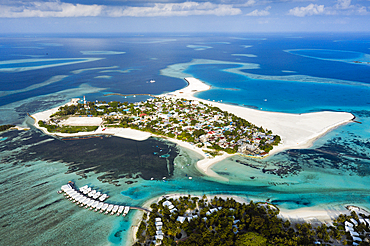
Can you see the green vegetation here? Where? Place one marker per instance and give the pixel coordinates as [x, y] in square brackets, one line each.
[186, 120]
[67, 129]
[194, 221]
[5, 127]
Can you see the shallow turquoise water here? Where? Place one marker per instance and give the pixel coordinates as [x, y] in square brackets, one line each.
[334, 171]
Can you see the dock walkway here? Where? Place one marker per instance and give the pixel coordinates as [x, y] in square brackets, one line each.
[93, 199]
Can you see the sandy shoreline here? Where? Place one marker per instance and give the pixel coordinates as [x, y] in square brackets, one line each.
[297, 131]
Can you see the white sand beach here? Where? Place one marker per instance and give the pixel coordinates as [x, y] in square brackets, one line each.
[297, 131]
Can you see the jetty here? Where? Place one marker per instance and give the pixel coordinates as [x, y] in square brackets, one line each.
[92, 199]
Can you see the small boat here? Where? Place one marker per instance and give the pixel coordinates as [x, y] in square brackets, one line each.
[152, 81]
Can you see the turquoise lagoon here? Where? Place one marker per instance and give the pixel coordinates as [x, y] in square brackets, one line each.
[332, 173]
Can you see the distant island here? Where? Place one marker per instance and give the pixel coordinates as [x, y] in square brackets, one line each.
[186, 120]
[5, 127]
[196, 220]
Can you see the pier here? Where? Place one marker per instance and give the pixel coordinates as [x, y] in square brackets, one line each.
[92, 199]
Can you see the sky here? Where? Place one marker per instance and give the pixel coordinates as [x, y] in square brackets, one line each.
[141, 16]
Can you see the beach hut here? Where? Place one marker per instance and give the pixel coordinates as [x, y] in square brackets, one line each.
[82, 199]
[120, 210]
[87, 190]
[86, 201]
[77, 198]
[354, 221]
[109, 208]
[96, 195]
[353, 233]
[346, 223]
[105, 206]
[83, 188]
[91, 193]
[115, 209]
[159, 237]
[167, 203]
[181, 219]
[357, 239]
[368, 222]
[99, 206]
[159, 223]
[158, 219]
[103, 197]
[95, 203]
[65, 187]
[127, 209]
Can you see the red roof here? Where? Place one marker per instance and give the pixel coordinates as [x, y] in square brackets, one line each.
[142, 114]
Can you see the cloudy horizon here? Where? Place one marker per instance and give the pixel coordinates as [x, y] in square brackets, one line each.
[86, 16]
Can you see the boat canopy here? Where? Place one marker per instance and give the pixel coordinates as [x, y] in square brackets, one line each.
[120, 209]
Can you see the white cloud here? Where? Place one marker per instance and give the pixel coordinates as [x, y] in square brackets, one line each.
[248, 3]
[311, 9]
[257, 12]
[343, 4]
[345, 7]
[60, 9]
[50, 9]
[176, 9]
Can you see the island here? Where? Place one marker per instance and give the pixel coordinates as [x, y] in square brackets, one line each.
[213, 129]
[202, 220]
[197, 123]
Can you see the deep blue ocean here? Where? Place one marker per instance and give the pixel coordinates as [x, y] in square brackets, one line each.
[295, 73]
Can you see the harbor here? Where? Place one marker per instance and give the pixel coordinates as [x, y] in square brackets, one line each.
[91, 199]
